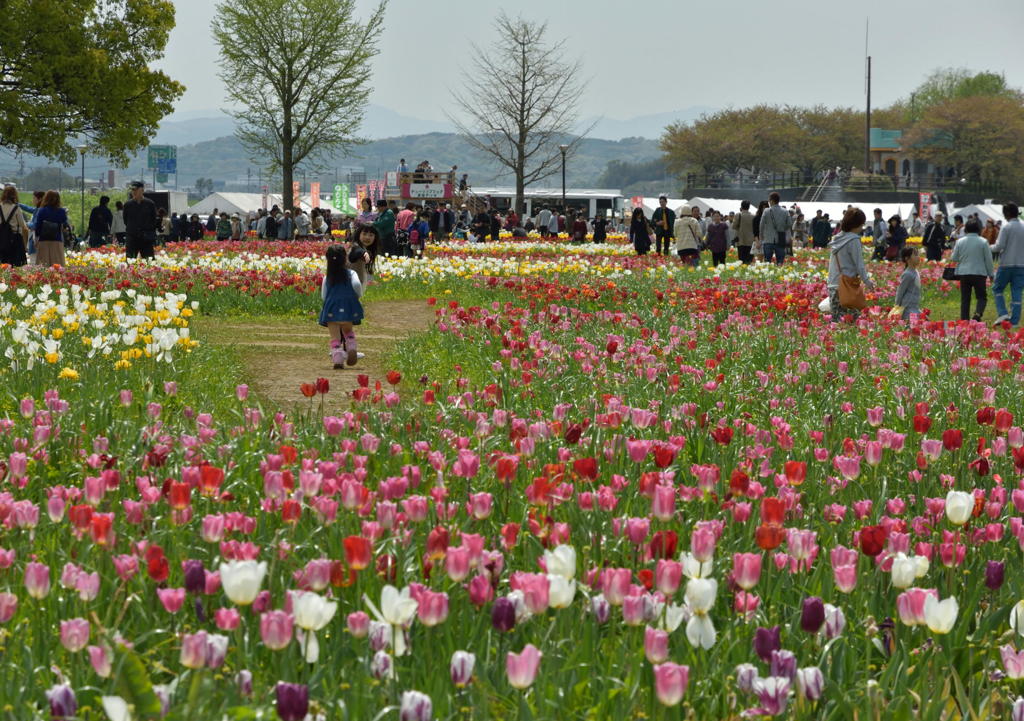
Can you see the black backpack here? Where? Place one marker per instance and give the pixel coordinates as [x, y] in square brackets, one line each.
[12, 249]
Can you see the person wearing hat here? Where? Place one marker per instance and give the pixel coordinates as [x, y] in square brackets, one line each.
[139, 223]
[236, 227]
[663, 221]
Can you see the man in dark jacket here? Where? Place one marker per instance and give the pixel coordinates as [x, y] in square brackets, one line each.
[100, 219]
[664, 222]
[821, 230]
[385, 225]
[140, 223]
[442, 220]
[934, 239]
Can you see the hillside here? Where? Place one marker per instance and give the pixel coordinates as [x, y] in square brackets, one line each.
[224, 159]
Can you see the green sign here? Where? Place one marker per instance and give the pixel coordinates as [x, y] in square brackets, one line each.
[161, 177]
[159, 156]
[341, 196]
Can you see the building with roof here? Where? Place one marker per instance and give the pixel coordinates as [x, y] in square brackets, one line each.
[595, 201]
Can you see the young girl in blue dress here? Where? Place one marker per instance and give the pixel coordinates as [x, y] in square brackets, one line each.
[341, 310]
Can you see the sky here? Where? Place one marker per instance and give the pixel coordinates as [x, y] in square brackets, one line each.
[653, 56]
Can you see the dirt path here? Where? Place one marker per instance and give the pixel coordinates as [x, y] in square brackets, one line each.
[281, 354]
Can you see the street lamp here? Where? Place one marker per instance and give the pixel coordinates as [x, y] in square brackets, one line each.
[563, 148]
[81, 227]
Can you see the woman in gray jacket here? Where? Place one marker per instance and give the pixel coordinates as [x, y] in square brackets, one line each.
[846, 257]
[973, 257]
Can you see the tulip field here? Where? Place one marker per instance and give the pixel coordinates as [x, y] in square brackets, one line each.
[599, 487]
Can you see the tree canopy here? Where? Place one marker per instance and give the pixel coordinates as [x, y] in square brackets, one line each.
[299, 69]
[78, 70]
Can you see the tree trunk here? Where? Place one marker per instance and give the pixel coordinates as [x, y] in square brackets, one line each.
[287, 164]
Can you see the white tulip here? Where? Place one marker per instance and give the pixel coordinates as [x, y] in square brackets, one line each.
[959, 506]
[692, 568]
[1017, 618]
[397, 610]
[241, 580]
[940, 615]
[674, 616]
[561, 591]
[700, 594]
[700, 632]
[116, 708]
[561, 561]
[907, 569]
[312, 611]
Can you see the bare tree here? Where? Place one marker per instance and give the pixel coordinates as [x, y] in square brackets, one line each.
[299, 69]
[519, 102]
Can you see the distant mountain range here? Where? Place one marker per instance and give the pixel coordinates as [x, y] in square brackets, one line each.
[198, 125]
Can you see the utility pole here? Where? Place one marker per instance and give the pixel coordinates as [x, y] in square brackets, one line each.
[867, 114]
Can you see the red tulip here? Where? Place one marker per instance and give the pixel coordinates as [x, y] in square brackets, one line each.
[796, 472]
[308, 389]
[722, 435]
[322, 385]
[586, 467]
[872, 540]
[773, 510]
[952, 439]
[922, 423]
[769, 536]
[357, 552]
[394, 377]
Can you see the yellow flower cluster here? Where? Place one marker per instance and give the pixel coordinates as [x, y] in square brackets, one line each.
[75, 326]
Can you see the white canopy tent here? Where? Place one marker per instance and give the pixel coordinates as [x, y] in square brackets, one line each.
[245, 203]
[651, 203]
[985, 211]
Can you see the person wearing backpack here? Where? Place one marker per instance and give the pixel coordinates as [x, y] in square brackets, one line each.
[13, 229]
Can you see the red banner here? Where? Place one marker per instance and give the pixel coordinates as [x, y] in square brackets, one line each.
[637, 201]
[924, 206]
[314, 195]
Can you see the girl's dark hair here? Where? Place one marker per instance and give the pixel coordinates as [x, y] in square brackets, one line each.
[51, 199]
[907, 252]
[637, 211]
[972, 226]
[373, 248]
[853, 218]
[337, 265]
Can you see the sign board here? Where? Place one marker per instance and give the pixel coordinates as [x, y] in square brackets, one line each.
[167, 165]
[360, 194]
[266, 196]
[426, 190]
[161, 177]
[314, 195]
[637, 201]
[158, 154]
[391, 178]
[924, 209]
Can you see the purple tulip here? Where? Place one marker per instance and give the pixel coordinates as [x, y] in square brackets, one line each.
[813, 615]
[767, 640]
[772, 694]
[994, 572]
[63, 703]
[195, 576]
[244, 681]
[783, 664]
[292, 701]
[503, 615]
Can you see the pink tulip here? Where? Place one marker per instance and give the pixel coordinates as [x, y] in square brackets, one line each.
[37, 579]
[535, 588]
[655, 645]
[614, 584]
[910, 605]
[74, 634]
[480, 591]
[746, 604]
[702, 544]
[8, 606]
[433, 607]
[746, 569]
[480, 505]
[457, 563]
[358, 624]
[100, 658]
[667, 576]
[633, 610]
[193, 650]
[276, 629]
[171, 598]
[227, 619]
[521, 668]
[637, 530]
[670, 681]
[663, 503]
[845, 577]
[1013, 661]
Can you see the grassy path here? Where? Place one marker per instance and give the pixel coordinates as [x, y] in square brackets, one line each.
[279, 354]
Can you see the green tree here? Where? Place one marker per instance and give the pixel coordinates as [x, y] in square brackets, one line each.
[980, 137]
[78, 69]
[48, 178]
[300, 71]
[756, 138]
[949, 84]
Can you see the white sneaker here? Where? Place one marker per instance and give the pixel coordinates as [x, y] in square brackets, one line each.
[360, 355]
[1000, 319]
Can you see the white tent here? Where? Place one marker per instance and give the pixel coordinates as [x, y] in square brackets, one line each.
[985, 211]
[244, 203]
[651, 203]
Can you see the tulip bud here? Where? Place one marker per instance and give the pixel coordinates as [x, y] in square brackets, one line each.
[670, 681]
[381, 665]
[746, 674]
[503, 615]
[783, 664]
[243, 679]
[766, 640]
[63, 703]
[600, 607]
[656, 645]
[358, 624]
[810, 683]
[461, 668]
[415, 706]
[292, 701]
[1017, 714]
[959, 506]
